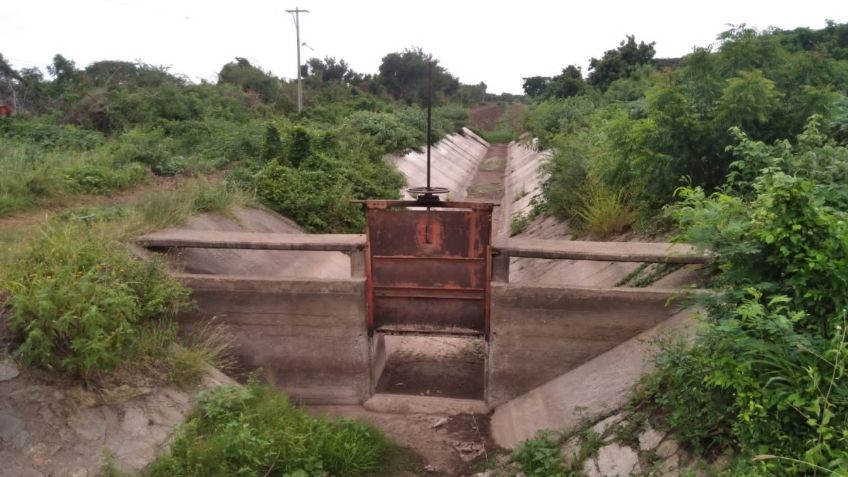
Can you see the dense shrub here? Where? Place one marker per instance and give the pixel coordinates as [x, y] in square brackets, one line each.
[50, 136]
[254, 430]
[78, 299]
[653, 131]
[768, 374]
[316, 200]
[386, 129]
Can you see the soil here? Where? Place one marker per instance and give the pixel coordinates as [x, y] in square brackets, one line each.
[446, 446]
[488, 184]
[434, 366]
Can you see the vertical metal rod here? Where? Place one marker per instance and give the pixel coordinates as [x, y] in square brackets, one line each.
[429, 116]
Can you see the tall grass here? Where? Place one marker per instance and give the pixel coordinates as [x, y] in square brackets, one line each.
[36, 177]
[605, 212]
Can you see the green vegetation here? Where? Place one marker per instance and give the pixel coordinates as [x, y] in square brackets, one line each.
[79, 299]
[254, 430]
[744, 146]
[647, 126]
[603, 212]
[769, 371]
[540, 457]
[113, 125]
[518, 224]
[81, 304]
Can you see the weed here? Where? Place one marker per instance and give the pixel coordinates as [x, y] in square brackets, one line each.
[604, 212]
[254, 430]
[590, 443]
[498, 136]
[518, 224]
[540, 457]
[646, 274]
[520, 194]
[632, 275]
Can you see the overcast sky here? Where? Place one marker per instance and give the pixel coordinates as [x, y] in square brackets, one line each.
[497, 42]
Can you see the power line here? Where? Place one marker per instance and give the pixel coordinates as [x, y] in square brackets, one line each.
[296, 16]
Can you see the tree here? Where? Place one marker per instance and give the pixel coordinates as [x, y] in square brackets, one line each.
[10, 82]
[112, 73]
[405, 77]
[469, 94]
[535, 86]
[332, 70]
[620, 62]
[250, 78]
[569, 83]
[64, 72]
[748, 101]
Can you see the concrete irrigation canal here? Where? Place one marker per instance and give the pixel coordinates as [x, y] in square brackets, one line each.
[435, 309]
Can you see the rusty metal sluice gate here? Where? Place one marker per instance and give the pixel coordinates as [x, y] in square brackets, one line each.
[428, 268]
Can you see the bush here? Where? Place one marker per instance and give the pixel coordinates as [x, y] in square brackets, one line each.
[100, 178]
[549, 118]
[255, 431]
[50, 136]
[386, 129]
[568, 172]
[540, 457]
[767, 375]
[78, 300]
[332, 170]
[453, 115]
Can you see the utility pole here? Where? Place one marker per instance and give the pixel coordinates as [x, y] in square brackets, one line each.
[296, 16]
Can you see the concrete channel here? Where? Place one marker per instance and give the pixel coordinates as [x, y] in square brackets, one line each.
[296, 304]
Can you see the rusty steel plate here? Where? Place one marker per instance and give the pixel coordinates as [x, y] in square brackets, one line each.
[428, 270]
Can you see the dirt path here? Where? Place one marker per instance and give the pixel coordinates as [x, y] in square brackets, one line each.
[485, 118]
[488, 184]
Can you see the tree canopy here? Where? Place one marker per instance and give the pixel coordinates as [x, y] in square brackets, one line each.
[404, 75]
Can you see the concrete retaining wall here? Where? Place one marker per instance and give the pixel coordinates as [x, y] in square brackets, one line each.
[308, 336]
[541, 332]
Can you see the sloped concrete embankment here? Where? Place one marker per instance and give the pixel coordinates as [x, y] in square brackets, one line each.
[564, 338]
[50, 428]
[598, 387]
[524, 178]
[454, 161]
